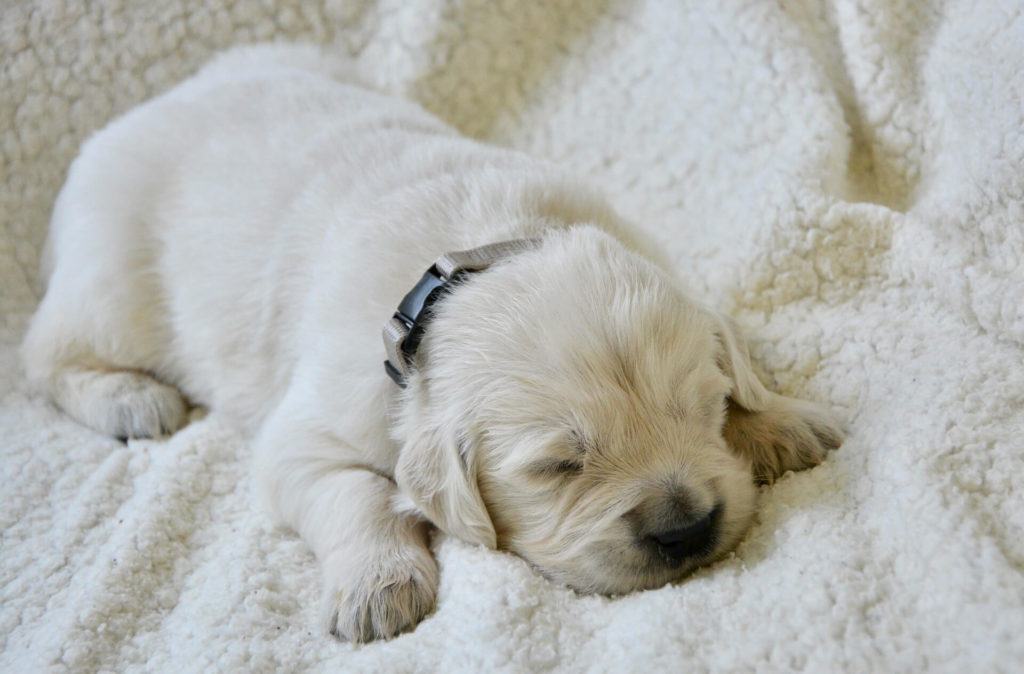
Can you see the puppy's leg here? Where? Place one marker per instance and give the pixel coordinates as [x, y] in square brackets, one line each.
[773, 432]
[379, 575]
[104, 323]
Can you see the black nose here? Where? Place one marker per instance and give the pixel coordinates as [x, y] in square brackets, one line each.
[694, 539]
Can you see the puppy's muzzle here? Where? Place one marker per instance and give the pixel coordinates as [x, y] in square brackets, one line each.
[675, 526]
[696, 539]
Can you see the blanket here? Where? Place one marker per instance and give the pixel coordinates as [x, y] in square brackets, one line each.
[845, 177]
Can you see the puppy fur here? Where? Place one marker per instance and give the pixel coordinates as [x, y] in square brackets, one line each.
[239, 241]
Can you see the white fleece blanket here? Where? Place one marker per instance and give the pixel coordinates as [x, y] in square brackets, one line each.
[845, 177]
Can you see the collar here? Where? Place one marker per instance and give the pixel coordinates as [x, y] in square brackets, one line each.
[403, 332]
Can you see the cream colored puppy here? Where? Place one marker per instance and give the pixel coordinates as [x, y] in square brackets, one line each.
[239, 241]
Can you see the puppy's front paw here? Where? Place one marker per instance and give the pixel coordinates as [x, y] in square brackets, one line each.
[789, 435]
[381, 601]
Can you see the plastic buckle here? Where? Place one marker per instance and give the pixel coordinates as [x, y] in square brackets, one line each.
[411, 314]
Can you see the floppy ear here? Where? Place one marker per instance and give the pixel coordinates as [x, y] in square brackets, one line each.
[437, 471]
[734, 361]
[773, 432]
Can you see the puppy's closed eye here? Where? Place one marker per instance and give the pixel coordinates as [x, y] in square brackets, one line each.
[554, 467]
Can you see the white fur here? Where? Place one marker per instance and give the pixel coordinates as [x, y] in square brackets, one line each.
[239, 241]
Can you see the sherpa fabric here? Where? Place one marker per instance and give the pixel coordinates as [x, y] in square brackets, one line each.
[845, 177]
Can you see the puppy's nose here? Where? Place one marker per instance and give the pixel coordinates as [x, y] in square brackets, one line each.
[696, 538]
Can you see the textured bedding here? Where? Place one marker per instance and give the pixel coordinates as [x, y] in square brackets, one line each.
[845, 178]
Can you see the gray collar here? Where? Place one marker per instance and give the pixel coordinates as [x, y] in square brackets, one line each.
[403, 332]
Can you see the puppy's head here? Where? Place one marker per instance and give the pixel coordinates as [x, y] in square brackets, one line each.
[568, 406]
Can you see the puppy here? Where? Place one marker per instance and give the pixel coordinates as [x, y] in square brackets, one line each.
[239, 241]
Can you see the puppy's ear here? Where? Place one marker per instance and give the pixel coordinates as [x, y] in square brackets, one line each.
[773, 432]
[438, 472]
[734, 361]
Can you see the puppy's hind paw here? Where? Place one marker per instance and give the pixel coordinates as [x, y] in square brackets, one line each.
[121, 403]
[383, 604]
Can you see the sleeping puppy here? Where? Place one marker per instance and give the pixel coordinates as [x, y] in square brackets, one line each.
[239, 241]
